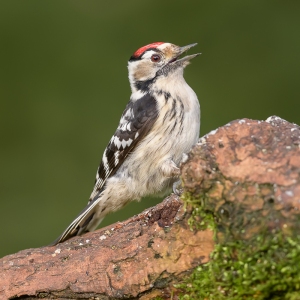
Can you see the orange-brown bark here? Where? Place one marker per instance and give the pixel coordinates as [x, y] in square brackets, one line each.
[248, 166]
[243, 167]
[126, 259]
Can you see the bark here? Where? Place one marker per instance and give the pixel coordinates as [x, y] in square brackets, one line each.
[246, 164]
[134, 259]
[243, 167]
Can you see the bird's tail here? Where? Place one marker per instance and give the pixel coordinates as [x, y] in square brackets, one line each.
[84, 222]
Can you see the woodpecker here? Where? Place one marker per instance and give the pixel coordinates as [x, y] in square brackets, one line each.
[160, 123]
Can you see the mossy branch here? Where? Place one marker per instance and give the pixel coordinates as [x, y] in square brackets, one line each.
[235, 237]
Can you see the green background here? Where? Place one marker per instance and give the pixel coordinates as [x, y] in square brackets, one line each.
[63, 87]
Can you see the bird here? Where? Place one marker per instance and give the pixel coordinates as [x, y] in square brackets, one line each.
[161, 122]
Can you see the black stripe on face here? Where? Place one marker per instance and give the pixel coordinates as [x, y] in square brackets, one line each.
[144, 85]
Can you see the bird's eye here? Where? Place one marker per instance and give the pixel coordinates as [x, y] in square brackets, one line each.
[155, 58]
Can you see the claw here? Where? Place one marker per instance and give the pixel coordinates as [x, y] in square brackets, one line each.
[177, 188]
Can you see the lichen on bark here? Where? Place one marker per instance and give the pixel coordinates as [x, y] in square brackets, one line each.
[255, 218]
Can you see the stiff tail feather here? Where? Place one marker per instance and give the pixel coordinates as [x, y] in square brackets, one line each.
[81, 222]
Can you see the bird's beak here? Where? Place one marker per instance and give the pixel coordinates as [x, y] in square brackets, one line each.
[180, 51]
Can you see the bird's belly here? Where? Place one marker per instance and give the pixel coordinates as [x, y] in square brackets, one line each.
[162, 143]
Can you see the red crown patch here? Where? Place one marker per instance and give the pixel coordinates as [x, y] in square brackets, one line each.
[140, 51]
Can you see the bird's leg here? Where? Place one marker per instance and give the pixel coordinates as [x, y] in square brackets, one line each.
[169, 169]
[177, 188]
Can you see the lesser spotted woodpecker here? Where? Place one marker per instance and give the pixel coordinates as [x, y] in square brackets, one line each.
[159, 124]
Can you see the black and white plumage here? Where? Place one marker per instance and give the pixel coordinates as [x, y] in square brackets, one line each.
[159, 124]
[136, 121]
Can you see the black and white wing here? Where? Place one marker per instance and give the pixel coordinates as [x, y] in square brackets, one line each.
[136, 122]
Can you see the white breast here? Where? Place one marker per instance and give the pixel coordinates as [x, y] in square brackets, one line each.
[175, 131]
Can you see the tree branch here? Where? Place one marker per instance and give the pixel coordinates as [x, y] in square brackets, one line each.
[245, 176]
[126, 259]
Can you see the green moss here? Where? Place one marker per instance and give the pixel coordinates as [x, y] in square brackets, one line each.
[200, 219]
[262, 265]
[161, 283]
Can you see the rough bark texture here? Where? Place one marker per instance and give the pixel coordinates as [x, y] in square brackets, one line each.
[243, 168]
[248, 166]
[244, 181]
[134, 259]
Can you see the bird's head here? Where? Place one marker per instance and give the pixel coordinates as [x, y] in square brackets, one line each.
[156, 60]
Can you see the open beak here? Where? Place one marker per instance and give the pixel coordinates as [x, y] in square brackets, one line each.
[180, 51]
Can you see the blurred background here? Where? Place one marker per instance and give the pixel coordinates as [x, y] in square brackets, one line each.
[63, 87]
